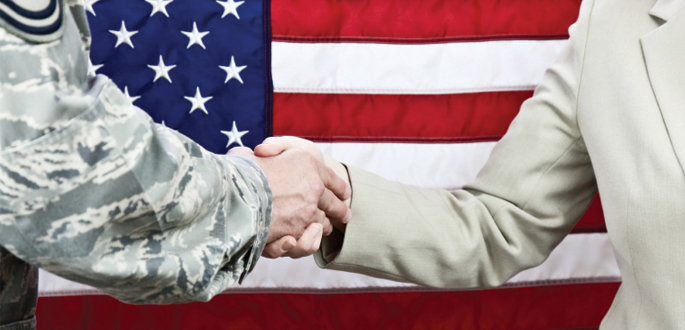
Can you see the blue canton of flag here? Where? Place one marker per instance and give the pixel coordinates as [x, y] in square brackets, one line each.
[201, 67]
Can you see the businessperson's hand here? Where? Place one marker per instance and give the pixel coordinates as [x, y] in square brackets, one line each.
[288, 246]
[301, 186]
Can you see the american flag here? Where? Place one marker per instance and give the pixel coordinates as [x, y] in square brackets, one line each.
[416, 91]
[201, 67]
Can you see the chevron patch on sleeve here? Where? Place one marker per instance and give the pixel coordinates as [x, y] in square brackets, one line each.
[33, 20]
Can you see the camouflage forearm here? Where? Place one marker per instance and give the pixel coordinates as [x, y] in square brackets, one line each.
[92, 190]
[18, 292]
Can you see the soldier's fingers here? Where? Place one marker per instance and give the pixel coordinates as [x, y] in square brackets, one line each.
[241, 151]
[289, 142]
[270, 147]
[333, 182]
[279, 247]
[308, 243]
[274, 145]
[333, 207]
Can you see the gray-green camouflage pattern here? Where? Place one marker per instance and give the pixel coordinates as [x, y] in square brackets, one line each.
[93, 191]
[18, 292]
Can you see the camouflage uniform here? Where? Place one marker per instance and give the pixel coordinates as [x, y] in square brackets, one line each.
[92, 190]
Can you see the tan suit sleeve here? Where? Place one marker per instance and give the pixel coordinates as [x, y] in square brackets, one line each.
[533, 189]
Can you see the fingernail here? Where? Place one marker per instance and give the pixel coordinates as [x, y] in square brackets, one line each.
[287, 246]
[317, 231]
[347, 217]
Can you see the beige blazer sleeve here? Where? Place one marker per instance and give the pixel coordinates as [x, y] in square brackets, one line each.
[533, 189]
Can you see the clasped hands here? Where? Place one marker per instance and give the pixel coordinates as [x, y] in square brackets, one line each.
[311, 194]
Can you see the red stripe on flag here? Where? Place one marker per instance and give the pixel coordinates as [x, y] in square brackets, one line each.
[396, 118]
[575, 306]
[420, 21]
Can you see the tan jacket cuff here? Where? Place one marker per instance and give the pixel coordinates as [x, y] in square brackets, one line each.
[350, 251]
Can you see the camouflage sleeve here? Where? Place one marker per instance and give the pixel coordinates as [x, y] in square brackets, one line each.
[18, 293]
[92, 190]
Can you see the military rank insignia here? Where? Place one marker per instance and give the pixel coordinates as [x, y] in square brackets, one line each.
[33, 20]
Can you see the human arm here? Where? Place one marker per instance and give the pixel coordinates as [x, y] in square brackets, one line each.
[537, 183]
[92, 190]
[18, 292]
[113, 201]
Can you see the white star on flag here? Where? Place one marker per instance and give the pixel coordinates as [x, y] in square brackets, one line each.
[233, 71]
[234, 135]
[159, 6]
[161, 70]
[198, 101]
[123, 35]
[92, 69]
[88, 4]
[230, 7]
[195, 36]
[128, 96]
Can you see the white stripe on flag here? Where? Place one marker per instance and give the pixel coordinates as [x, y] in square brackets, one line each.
[447, 166]
[579, 258]
[448, 68]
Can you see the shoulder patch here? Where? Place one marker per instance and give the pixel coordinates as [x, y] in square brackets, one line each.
[33, 20]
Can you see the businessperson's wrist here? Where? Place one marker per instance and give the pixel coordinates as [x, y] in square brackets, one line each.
[341, 170]
[332, 244]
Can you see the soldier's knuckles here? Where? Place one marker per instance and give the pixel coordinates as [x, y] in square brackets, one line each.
[306, 160]
[311, 211]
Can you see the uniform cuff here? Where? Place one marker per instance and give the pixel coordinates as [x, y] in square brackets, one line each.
[29, 324]
[262, 198]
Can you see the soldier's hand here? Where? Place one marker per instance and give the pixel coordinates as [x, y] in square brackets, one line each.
[276, 145]
[302, 187]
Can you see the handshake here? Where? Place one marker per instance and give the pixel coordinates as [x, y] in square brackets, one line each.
[311, 194]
